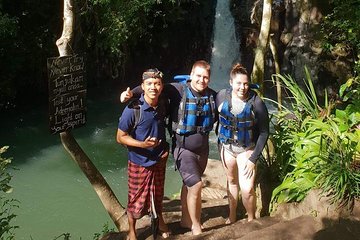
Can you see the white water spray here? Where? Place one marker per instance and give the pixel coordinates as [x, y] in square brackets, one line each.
[225, 49]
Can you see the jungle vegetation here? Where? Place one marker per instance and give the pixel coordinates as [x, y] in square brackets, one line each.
[316, 140]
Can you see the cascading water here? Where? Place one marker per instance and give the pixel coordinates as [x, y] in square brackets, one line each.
[225, 49]
[225, 52]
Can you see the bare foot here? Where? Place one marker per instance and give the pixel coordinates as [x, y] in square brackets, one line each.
[164, 231]
[197, 230]
[131, 236]
[228, 221]
[165, 235]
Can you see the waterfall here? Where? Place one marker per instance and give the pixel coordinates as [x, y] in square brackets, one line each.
[225, 49]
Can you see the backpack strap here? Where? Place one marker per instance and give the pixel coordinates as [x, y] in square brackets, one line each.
[164, 108]
[226, 98]
[252, 99]
[135, 105]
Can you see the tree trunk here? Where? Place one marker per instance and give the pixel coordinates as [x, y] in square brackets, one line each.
[101, 187]
[103, 190]
[257, 74]
[277, 70]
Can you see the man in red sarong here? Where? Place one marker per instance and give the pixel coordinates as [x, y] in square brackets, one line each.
[142, 129]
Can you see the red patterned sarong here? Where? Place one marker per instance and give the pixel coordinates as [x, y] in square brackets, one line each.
[141, 182]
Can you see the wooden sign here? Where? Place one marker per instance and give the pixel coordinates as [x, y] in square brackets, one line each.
[67, 93]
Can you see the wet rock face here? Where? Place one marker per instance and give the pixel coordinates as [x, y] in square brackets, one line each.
[295, 27]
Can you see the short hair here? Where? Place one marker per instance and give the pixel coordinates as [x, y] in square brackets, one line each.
[152, 73]
[203, 64]
[238, 69]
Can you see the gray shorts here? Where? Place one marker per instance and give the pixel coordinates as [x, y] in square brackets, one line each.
[191, 166]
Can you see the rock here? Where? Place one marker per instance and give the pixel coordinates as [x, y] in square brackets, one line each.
[314, 218]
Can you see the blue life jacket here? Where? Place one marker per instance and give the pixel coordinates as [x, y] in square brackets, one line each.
[196, 114]
[239, 129]
[181, 78]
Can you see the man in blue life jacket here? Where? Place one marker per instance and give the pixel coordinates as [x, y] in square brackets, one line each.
[193, 113]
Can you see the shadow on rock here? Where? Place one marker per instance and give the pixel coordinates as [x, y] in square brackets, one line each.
[344, 229]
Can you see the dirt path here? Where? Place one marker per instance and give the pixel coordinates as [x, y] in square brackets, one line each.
[313, 219]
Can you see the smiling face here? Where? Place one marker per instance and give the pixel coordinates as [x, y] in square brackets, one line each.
[240, 86]
[200, 78]
[152, 88]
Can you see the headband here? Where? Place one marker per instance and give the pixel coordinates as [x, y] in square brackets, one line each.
[152, 73]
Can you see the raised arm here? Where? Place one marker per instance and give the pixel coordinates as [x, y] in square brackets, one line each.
[128, 94]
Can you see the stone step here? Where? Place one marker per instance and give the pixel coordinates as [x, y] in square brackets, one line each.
[300, 228]
[311, 219]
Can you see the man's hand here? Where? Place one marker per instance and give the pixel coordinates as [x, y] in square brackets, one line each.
[165, 155]
[151, 142]
[126, 95]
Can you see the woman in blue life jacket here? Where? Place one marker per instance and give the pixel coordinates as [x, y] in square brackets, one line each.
[242, 135]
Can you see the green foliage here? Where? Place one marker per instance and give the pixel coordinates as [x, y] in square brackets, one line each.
[28, 33]
[350, 93]
[8, 31]
[305, 102]
[338, 176]
[287, 123]
[8, 27]
[106, 229]
[110, 24]
[117, 37]
[6, 204]
[66, 236]
[341, 25]
[318, 147]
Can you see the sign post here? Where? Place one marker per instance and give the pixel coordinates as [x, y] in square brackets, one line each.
[67, 93]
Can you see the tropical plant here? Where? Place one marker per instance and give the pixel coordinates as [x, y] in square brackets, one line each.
[341, 25]
[288, 122]
[66, 236]
[106, 229]
[7, 229]
[338, 177]
[318, 146]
